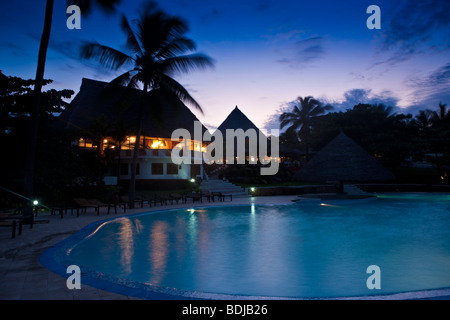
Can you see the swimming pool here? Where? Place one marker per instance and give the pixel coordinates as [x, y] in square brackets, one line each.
[309, 249]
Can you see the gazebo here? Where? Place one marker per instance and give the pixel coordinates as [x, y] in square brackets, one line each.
[343, 160]
[238, 120]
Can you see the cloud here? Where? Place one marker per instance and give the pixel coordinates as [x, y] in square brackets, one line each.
[273, 120]
[15, 49]
[354, 97]
[415, 22]
[212, 15]
[415, 28]
[304, 52]
[430, 89]
[439, 78]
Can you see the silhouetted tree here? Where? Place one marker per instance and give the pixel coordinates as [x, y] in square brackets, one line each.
[85, 6]
[300, 118]
[158, 49]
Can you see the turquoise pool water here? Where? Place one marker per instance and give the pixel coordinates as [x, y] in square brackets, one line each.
[306, 249]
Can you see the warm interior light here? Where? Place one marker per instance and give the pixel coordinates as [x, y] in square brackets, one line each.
[132, 139]
[105, 141]
[157, 144]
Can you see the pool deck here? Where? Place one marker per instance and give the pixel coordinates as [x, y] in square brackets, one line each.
[22, 277]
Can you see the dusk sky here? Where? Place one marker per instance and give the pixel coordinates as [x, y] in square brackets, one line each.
[266, 52]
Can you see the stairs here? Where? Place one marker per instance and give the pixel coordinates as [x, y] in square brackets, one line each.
[353, 190]
[226, 187]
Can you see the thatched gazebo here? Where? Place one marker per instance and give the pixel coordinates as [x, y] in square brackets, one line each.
[343, 160]
[238, 120]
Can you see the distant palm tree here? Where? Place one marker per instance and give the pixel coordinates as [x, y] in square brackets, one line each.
[441, 117]
[158, 48]
[85, 6]
[301, 116]
[424, 119]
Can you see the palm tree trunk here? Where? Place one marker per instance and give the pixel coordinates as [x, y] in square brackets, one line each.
[36, 109]
[132, 191]
[118, 164]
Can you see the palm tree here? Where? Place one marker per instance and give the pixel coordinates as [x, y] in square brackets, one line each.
[85, 6]
[442, 117]
[301, 118]
[424, 119]
[158, 48]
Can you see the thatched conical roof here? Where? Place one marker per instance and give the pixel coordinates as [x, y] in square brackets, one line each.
[95, 99]
[343, 160]
[237, 120]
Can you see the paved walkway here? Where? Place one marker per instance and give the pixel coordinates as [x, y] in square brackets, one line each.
[22, 277]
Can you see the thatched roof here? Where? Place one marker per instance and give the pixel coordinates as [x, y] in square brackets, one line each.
[238, 120]
[98, 99]
[343, 160]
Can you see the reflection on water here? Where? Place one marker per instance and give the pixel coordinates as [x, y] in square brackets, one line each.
[126, 243]
[158, 248]
[292, 250]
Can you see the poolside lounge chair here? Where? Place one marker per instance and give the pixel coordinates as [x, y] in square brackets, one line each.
[194, 196]
[62, 209]
[100, 204]
[94, 203]
[126, 201]
[176, 197]
[208, 195]
[84, 204]
[161, 198]
[218, 195]
[144, 199]
[227, 195]
[13, 222]
[221, 196]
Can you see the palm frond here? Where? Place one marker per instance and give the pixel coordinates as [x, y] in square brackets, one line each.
[187, 63]
[122, 80]
[177, 46]
[171, 86]
[132, 42]
[106, 56]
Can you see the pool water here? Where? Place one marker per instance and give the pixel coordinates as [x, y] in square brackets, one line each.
[307, 249]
